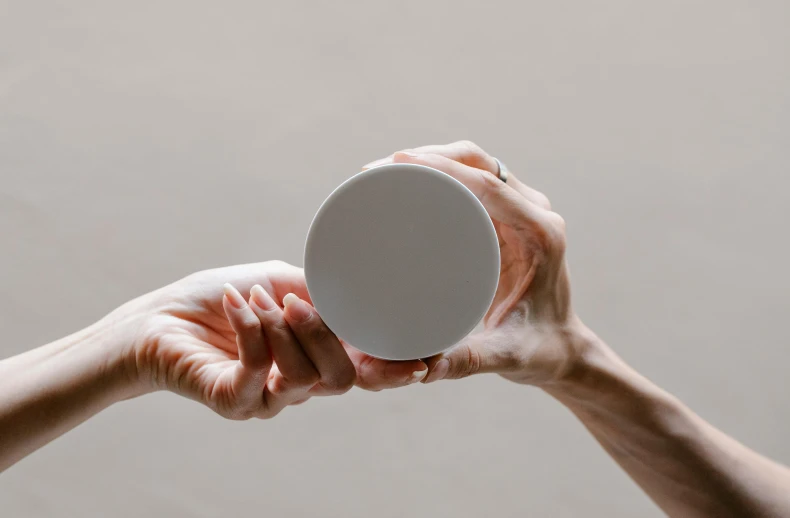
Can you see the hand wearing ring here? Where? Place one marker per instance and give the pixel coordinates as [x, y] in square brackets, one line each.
[527, 335]
[501, 170]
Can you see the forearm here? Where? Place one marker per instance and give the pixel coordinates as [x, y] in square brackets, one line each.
[50, 390]
[683, 463]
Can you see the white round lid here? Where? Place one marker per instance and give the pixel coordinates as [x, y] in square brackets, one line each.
[402, 261]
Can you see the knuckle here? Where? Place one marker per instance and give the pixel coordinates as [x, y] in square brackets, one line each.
[542, 200]
[319, 333]
[240, 414]
[278, 386]
[463, 363]
[474, 155]
[556, 242]
[489, 182]
[277, 264]
[279, 327]
[310, 378]
[306, 377]
[558, 222]
[366, 362]
[296, 380]
[267, 413]
[470, 146]
[472, 363]
[249, 322]
[341, 382]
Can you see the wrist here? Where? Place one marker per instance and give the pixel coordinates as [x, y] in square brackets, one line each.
[117, 340]
[591, 367]
[598, 381]
[106, 354]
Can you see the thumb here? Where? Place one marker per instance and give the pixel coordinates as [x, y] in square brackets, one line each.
[476, 354]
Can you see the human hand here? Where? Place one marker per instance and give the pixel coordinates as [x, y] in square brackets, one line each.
[531, 334]
[247, 357]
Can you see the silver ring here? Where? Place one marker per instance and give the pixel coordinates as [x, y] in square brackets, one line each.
[501, 170]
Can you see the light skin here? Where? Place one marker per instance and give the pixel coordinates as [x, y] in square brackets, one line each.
[243, 356]
[532, 336]
[248, 351]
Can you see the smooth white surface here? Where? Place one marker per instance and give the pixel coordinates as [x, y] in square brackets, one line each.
[402, 261]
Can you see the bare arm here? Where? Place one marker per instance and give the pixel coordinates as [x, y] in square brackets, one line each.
[688, 467]
[532, 336]
[50, 390]
[243, 356]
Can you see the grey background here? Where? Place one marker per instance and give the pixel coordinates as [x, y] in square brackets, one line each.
[141, 141]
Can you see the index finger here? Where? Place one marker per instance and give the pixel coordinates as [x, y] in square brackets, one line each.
[337, 373]
[469, 153]
[464, 151]
[501, 201]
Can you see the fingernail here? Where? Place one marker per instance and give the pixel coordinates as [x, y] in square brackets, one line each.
[417, 376]
[234, 297]
[377, 162]
[411, 154]
[260, 298]
[296, 308]
[439, 371]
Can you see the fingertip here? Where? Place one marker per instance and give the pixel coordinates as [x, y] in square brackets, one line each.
[231, 311]
[295, 308]
[398, 371]
[234, 297]
[439, 371]
[418, 375]
[376, 163]
[261, 298]
[404, 156]
[227, 306]
[290, 298]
